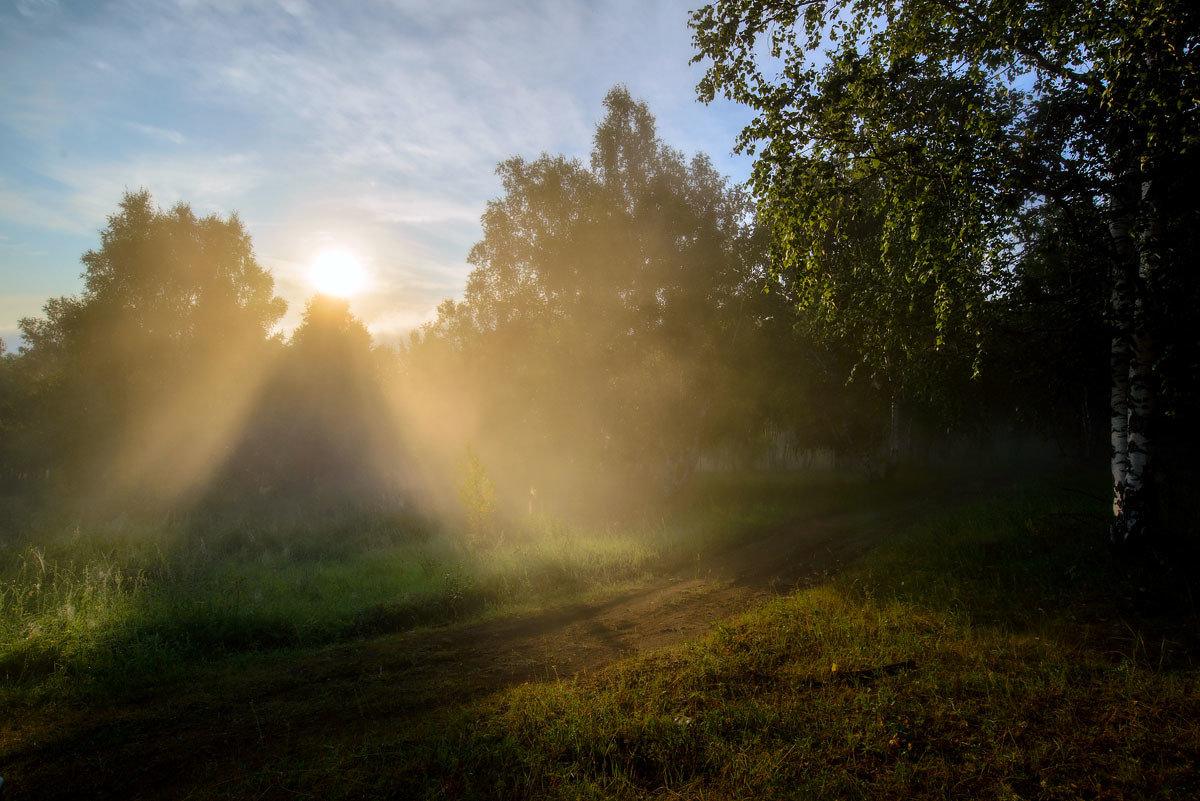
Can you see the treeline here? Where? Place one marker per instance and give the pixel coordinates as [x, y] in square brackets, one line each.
[627, 320]
[623, 323]
[939, 176]
[619, 323]
[162, 384]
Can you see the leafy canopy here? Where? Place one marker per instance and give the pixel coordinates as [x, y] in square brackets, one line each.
[902, 143]
[602, 301]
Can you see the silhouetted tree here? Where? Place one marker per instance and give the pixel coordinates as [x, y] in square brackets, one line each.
[941, 125]
[611, 321]
[145, 375]
[324, 430]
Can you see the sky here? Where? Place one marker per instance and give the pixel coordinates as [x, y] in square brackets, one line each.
[370, 126]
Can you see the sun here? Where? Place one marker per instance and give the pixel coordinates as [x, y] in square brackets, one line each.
[337, 272]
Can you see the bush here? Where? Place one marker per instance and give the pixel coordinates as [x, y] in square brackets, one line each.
[477, 494]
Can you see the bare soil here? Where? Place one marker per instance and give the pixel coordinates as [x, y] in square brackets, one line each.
[190, 740]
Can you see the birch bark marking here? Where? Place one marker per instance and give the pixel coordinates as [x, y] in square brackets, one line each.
[1142, 390]
[1120, 230]
[1119, 399]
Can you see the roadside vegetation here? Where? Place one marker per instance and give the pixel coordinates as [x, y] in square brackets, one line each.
[967, 238]
[993, 651]
[124, 604]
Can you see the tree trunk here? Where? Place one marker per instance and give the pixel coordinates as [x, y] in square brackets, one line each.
[894, 439]
[1119, 388]
[1135, 232]
[1121, 308]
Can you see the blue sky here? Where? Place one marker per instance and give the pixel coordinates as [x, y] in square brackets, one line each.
[369, 125]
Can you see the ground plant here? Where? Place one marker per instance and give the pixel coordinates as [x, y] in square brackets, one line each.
[982, 653]
[96, 608]
[981, 643]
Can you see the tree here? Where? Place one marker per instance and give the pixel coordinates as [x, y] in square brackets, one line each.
[331, 403]
[10, 392]
[605, 300]
[939, 127]
[322, 430]
[150, 371]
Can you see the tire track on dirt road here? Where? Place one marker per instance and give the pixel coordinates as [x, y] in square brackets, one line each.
[184, 741]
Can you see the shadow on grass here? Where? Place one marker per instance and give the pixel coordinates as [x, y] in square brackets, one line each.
[997, 650]
[1040, 561]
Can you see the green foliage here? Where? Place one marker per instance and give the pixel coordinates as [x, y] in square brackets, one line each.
[881, 177]
[477, 495]
[614, 319]
[983, 654]
[902, 144]
[107, 609]
[917, 157]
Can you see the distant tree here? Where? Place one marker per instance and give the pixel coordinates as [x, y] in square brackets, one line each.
[605, 302]
[173, 275]
[10, 391]
[330, 335]
[941, 127]
[159, 351]
[323, 427]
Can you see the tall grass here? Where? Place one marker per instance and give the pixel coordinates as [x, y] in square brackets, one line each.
[122, 604]
[997, 652]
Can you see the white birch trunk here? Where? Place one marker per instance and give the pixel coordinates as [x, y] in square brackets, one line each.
[1119, 419]
[1142, 389]
[1133, 358]
[1121, 301]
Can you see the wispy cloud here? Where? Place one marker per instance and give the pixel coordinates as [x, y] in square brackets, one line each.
[81, 195]
[174, 137]
[36, 8]
[377, 122]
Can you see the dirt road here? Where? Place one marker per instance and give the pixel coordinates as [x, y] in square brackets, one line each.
[185, 741]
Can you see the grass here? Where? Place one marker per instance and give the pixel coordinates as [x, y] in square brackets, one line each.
[991, 649]
[124, 605]
[994, 652]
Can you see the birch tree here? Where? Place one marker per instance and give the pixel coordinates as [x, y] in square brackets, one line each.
[962, 117]
[598, 322]
[144, 373]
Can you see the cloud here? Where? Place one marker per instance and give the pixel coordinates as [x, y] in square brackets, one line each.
[415, 96]
[174, 137]
[81, 196]
[377, 123]
[36, 8]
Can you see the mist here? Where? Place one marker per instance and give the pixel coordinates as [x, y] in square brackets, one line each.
[686, 441]
[620, 329]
